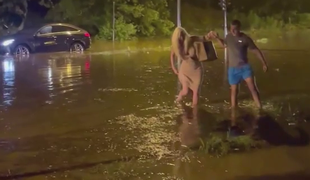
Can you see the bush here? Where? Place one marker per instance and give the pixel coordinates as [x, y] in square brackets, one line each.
[205, 19]
[123, 30]
[253, 21]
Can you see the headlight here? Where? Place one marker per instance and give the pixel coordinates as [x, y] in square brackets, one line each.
[7, 42]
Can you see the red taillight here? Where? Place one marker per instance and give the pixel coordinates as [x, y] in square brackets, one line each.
[87, 65]
[87, 34]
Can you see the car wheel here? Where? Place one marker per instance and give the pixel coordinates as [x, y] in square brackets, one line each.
[21, 50]
[77, 47]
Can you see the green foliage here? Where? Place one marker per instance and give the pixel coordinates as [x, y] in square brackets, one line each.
[132, 17]
[256, 16]
[200, 20]
[303, 20]
[253, 21]
[219, 146]
[150, 18]
[123, 30]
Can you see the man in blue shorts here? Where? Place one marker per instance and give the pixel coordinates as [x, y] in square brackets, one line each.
[238, 44]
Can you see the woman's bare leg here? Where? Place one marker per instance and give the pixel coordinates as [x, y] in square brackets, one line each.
[184, 90]
[182, 93]
[195, 97]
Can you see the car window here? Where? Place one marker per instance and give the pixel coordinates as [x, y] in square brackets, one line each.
[45, 30]
[62, 29]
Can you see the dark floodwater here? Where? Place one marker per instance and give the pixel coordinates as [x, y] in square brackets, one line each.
[98, 116]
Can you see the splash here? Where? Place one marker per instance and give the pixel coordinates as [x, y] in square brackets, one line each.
[155, 133]
[117, 90]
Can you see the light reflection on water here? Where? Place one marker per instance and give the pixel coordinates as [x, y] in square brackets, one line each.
[43, 74]
[8, 81]
[63, 76]
[72, 109]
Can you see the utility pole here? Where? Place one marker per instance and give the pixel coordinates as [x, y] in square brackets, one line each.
[179, 25]
[223, 4]
[113, 23]
[113, 38]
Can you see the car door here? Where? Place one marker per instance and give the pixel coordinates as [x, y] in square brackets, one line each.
[64, 36]
[45, 40]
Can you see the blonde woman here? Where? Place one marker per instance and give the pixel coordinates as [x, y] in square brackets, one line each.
[190, 71]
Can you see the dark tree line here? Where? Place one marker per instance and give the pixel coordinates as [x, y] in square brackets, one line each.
[14, 12]
[138, 17]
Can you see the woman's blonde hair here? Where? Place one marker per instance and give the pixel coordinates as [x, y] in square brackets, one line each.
[177, 33]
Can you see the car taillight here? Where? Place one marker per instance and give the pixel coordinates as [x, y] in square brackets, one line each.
[87, 65]
[87, 34]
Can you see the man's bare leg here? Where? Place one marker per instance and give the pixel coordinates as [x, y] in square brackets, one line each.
[233, 117]
[233, 95]
[250, 83]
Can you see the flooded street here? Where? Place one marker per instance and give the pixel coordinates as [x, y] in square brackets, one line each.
[94, 117]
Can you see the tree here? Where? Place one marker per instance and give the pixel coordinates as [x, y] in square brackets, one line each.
[133, 17]
[13, 14]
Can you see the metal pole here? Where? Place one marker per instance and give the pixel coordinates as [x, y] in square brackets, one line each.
[223, 4]
[225, 33]
[113, 39]
[179, 13]
[179, 25]
[113, 23]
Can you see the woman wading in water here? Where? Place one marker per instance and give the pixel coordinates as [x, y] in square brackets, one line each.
[190, 71]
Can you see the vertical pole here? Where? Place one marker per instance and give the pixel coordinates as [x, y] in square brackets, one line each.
[225, 34]
[179, 13]
[113, 23]
[223, 4]
[113, 38]
[179, 25]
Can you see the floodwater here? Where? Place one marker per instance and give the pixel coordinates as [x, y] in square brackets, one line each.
[94, 117]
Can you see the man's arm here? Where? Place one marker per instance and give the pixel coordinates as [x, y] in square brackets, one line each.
[216, 36]
[221, 42]
[253, 48]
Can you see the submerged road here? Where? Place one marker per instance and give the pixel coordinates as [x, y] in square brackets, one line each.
[94, 116]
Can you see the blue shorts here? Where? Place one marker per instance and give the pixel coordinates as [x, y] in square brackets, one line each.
[237, 74]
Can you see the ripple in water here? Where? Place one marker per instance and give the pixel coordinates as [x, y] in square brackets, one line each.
[154, 134]
[117, 90]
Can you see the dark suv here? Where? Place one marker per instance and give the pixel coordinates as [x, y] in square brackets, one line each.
[54, 37]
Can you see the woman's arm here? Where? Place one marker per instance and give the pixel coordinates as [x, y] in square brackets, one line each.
[201, 38]
[172, 62]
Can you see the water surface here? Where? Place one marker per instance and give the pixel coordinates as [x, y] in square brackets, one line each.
[92, 116]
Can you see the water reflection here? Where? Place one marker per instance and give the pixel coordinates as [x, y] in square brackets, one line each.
[42, 75]
[61, 74]
[301, 175]
[273, 133]
[195, 124]
[105, 108]
[7, 81]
